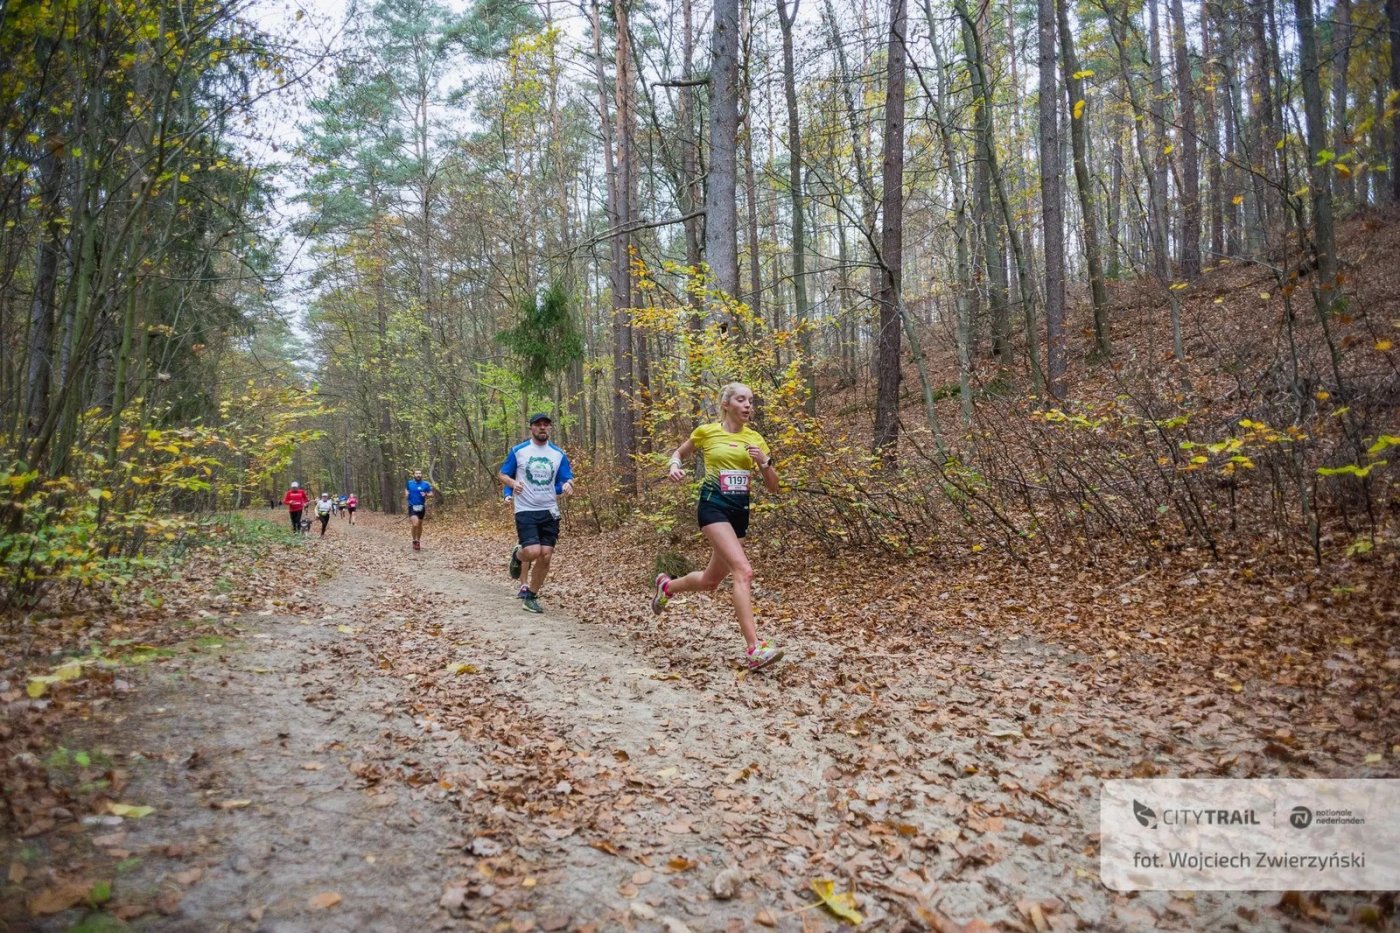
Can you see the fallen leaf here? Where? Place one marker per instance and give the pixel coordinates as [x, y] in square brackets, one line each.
[345, 629]
[129, 810]
[56, 900]
[18, 873]
[726, 884]
[679, 863]
[189, 877]
[311, 766]
[840, 903]
[462, 668]
[1375, 758]
[233, 804]
[324, 900]
[765, 917]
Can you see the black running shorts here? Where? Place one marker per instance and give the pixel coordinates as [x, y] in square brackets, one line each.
[540, 527]
[710, 513]
[417, 511]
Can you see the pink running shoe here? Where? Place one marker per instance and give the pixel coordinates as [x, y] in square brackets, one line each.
[661, 597]
[763, 654]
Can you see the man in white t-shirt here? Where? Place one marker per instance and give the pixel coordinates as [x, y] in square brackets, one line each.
[537, 473]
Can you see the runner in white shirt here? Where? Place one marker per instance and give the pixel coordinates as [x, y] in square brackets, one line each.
[537, 473]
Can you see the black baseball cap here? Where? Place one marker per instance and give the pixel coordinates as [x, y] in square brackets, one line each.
[540, 416]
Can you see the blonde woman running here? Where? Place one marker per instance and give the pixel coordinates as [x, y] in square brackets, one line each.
[733, 452]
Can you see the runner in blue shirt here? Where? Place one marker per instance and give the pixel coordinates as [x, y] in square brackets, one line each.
[417, 491]
[537, 473]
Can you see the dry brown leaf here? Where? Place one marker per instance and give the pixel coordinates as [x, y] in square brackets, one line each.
[58, 899]
[324, 900]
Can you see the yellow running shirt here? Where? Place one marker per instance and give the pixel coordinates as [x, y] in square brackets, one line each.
[728, 466]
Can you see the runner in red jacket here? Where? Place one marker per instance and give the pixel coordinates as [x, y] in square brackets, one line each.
[295, 500]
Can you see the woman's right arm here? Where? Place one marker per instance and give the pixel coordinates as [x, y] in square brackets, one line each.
[678, 459]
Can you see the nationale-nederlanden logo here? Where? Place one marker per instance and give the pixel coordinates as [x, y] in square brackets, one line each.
[1301, 817]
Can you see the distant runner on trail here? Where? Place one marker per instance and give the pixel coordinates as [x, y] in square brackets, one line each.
[324, 507]
[536, 472]
[732, 451]
[350, 504]
[417, 491]
[296, 500]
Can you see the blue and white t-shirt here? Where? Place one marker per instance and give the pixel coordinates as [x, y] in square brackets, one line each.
[544, 469]
[418, 490]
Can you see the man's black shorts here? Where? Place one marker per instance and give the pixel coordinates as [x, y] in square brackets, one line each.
[417, 511]
[540, 527]
[710, 513]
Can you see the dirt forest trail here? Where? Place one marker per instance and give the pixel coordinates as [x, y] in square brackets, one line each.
[402, 739]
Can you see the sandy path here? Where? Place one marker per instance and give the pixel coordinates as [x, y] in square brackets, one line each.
[404, 736]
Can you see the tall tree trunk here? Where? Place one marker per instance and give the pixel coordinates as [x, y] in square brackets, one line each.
[1025, 289]
[967, 291]
[1341, 63]
[721, 234]
[1236, 144]
[1156, 165]
[891, 241]
[1079, 141]
[797, 202]
[1150, 160]
[864, 172]
[1117, 251]
[388, 485]
[694, 195]
[41, 314]
[755, 296]
[1051, 202]
[1266, 155]
[624, 359]
[1190, 159]
[1215, 157]
[1392, 12]
[1319, 173]
[982, 194]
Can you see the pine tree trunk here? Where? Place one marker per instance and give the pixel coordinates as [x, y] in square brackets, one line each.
[1190, 160]
[1215, 157]
[1079, 132]
[1319, 173]
[721, 233]
[797, 202]
[992, 257]
[962, 224]
[624, 360]
[891, 241]
[1341, 63]
[1051, 202]
[1392, 12]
